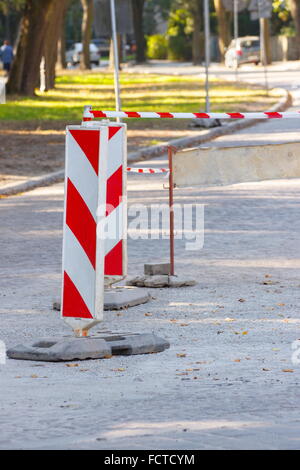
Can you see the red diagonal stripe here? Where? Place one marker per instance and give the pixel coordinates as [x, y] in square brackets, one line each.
[112, 131]
[113, 265]
[201, 115]
[165, 115]
[73, 303]
[236, 115]
[88, 141]
[114, 189]
[274, 115]
[81, 222]
[132, 114]
[98, 114]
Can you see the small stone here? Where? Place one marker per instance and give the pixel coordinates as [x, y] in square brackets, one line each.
[154, 269]
[157, 281]
[181, 281]
[136, 281]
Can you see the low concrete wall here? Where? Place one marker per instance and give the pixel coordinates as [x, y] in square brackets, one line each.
[229, 165]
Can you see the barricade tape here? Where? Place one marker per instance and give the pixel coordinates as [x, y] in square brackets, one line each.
[147, 170]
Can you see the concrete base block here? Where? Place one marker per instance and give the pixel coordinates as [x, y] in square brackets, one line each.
[154, 269]
[160, 281]
[118, 298]
[94, 347]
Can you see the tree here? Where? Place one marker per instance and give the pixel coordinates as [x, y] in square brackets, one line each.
[295, 11]
[86, 31]
[137, 12]
[24, 76]
[56, 18]
[224, 27]
[61, 46]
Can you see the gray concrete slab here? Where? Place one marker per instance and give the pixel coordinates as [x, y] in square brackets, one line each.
[94, 347]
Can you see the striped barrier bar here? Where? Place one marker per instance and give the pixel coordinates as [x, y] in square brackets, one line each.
[147, 170]
[90, 114]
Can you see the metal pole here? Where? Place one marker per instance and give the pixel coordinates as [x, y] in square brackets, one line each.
[263, 54]
[207, 53]
[116, 56]
[236, 33]
[171, 210]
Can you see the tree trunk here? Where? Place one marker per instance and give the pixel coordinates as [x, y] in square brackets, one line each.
[111, 64]
[50, 50]
[86, 32]
[24, 75]
[137, 11]
[295, 11]
[198, 37]
[61, 46]
[265, 28]
[224, 20]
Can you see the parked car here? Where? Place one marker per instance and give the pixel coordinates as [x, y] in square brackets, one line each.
[73, 55]
[246, 50]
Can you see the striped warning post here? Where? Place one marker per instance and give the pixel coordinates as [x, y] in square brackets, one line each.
[116, 210]
[94, 222]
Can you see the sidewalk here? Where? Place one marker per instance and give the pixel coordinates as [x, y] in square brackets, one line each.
[227, 382]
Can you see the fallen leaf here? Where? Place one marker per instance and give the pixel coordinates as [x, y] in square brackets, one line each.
[244, 332]
[72, 365]
[148, 314]
[281, 305]
[287, 370]
[236, 360]
[119, 369]
[181, 355]
[229, 319]
[184, 324]
[33, 376]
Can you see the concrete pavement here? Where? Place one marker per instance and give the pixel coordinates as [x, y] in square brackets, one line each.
[227, 382]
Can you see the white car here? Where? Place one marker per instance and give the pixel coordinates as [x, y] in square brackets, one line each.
[246, 50]
[73, 55]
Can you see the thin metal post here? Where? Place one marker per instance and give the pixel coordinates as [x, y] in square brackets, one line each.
[116, 56]
[171, 209]
[207, 54]
[236, 33]
[263, 53]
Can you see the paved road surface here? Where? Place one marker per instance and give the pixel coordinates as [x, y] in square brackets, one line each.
[228, 380]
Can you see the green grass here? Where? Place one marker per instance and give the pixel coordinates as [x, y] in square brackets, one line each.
[139, 92]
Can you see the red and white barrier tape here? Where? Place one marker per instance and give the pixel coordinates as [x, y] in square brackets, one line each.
[90, 114]
[147, 170]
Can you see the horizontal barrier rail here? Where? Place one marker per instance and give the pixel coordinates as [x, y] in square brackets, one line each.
[147, 170]
[90, 114]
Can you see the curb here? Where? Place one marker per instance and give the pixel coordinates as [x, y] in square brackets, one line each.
[156, 150]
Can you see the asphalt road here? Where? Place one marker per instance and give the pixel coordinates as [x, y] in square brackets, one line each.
[230, 379]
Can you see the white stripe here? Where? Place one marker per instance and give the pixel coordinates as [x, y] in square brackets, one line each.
[115, 152]
[114, 228]
[79, 268]
[82, 175]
